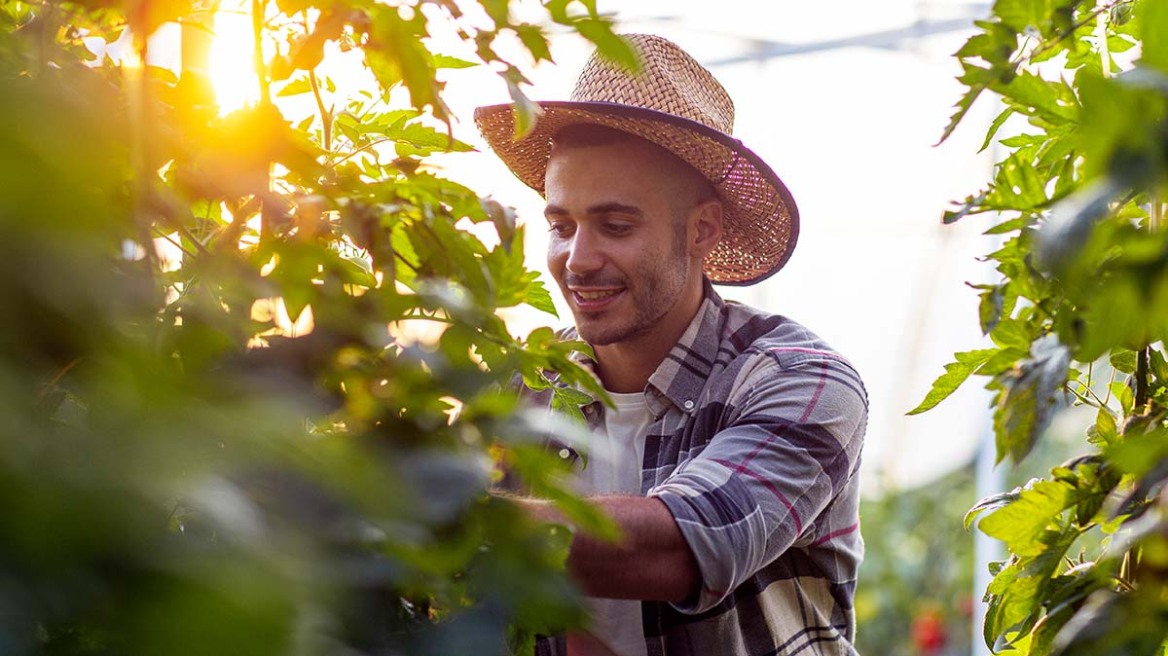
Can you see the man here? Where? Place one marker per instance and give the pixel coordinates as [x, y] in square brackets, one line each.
[730, 460]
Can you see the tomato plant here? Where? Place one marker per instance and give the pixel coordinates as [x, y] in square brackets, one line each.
[223, 433]
[1076, 318]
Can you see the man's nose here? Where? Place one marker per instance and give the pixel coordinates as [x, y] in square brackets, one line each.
[584, 254]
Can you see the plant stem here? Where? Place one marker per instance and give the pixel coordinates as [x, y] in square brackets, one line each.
[1110, 382]
[1104, 50]
[326, 117]
[360, 150]
[1141, 379]
[1090, 398]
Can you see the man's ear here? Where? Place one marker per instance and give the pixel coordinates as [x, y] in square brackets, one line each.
[705, 227]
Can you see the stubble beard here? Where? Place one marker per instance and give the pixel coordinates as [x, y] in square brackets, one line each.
[660, 282]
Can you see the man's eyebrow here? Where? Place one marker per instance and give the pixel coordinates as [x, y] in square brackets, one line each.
[611, 207]
[614, 207]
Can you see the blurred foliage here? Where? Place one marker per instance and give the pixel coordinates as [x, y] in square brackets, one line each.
[1079, 317]
[222, 432]
[913, 596]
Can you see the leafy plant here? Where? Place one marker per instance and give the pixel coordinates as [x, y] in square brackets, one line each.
[913, 596]
[1078, 317]
[223, 432]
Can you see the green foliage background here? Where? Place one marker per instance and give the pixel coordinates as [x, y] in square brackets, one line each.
[181, 474]
[918, 569]
[1078, 317]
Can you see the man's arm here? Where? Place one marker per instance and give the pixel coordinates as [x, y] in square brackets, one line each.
[652, 561]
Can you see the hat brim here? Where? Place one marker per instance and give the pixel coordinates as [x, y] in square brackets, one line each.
[761, 221]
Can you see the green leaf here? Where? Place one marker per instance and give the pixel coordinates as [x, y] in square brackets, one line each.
[1033, 95]
[992, 307]
[955, 374]
[295, 87]
[1021, 14]
[1123, 360]
[990, 504]
[535, 41]
[1140, 453]
[1114, 623]
[1030, 394]
[1105, 430]
[446, 61]
[396, 55]
[424, 140]
[1003, 360]
[1121, 122]
[539, 298]
[1154, 25]
[406, 261]
[1123, 393]
[609, 44]
[993, 45]
[1062, 238]
[995, 126]
[1008, 226]
[964, 104]
[1013, 333]
[1158, 364]
[526, 111]
[1023, 523]
[567, 396]
[1017, 185]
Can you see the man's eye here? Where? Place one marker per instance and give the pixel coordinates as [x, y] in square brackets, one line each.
[560, 228]
[618, 228]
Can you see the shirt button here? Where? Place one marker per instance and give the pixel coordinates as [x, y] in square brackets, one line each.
[689, 405]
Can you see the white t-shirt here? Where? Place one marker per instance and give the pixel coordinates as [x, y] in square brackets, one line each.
[615, 453]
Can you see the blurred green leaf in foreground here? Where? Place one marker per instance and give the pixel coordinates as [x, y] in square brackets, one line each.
[252, 370]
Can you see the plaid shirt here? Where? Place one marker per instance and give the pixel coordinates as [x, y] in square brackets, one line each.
[755, 450]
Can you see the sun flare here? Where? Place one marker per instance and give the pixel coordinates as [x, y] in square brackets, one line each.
[230, 63]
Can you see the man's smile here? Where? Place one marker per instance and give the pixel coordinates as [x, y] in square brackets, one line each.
[592, 299]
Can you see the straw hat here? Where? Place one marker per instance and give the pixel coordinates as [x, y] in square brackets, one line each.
[677, 104]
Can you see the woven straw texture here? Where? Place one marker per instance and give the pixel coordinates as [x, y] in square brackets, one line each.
[677, 104]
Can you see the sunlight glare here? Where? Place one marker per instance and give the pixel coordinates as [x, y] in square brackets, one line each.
[232, 74]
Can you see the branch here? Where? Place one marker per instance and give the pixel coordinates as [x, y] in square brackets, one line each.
[1141, 378]
[360, 150]
[326, 116]
[1071, 30]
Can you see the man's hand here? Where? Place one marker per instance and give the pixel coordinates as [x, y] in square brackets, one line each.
[651, 561]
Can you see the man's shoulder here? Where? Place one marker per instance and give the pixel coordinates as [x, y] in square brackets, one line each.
[751, 332]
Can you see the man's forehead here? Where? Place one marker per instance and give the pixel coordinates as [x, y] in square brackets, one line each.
[632, 172]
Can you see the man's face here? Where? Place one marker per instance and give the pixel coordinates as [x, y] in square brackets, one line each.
[617, 218]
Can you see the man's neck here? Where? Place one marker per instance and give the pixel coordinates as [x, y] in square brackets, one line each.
[627, 366]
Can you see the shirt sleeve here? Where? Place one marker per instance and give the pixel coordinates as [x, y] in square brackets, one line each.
[791, 443]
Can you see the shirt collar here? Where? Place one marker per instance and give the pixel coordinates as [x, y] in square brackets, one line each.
[682, 376]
